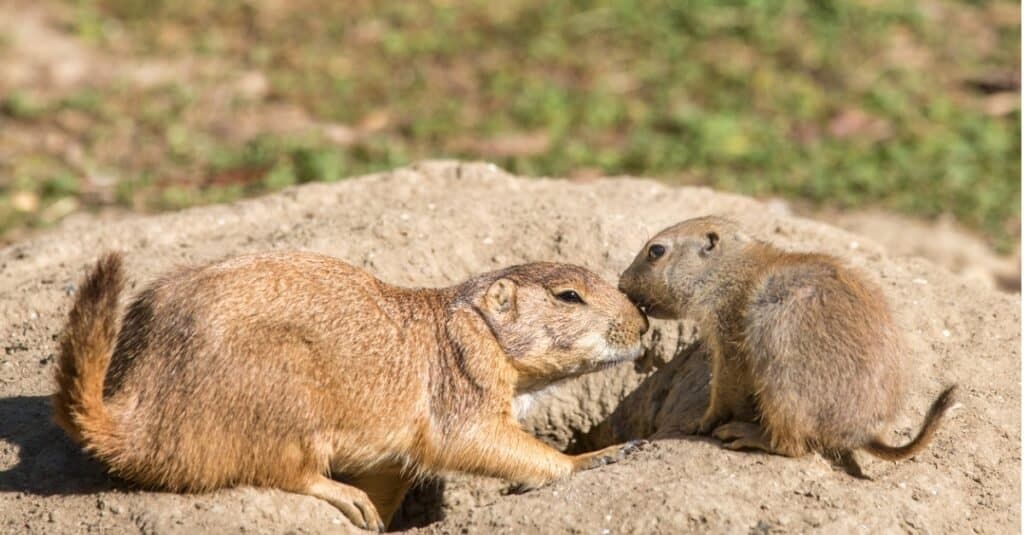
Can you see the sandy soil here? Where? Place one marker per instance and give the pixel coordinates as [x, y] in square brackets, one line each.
[943, 242]
[437, 223]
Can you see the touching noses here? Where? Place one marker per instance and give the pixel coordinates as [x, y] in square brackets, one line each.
[622, 284]
[644, 324]
[624, 288]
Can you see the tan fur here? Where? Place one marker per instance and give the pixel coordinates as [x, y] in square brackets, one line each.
[279, 370]
[800, 343]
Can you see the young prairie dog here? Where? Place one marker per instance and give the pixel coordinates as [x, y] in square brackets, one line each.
[279, 370]
[804, 352]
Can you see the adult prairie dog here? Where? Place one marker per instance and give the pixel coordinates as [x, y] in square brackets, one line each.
[804, 352]
[279, 370]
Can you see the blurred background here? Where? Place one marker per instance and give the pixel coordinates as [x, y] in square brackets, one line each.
[900, 107]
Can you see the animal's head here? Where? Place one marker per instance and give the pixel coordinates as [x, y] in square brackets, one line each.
[674, 265]
[559, 320]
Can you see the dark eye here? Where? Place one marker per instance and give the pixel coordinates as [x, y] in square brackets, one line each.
[656, 251]
[570, 296]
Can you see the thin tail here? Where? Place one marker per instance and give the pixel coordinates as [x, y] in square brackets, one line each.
[945, 401]
[86, 346]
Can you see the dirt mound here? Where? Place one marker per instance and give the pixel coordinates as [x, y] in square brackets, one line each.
[439, 222]
[943, 242]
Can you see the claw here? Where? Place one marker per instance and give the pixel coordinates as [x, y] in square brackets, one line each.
[627, 449]
[633, 446]
[609, 455]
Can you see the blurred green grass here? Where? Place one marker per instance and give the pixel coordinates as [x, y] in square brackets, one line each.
[847, 104]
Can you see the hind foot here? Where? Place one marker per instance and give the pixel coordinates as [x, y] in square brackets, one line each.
[846, 460]
[737, 435]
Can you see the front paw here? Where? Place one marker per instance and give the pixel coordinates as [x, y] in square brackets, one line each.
[629, 448]
[734, 430]
[707, 423]
[737, 435]
[609, 455]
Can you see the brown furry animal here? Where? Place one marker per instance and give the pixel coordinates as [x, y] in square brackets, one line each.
[799, 343]
[277, 370]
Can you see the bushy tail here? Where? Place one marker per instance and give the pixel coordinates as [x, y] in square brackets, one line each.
[939, 407]
[86, 346]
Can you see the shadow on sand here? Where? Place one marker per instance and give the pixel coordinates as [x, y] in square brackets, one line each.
[667, 404]
[49, 463]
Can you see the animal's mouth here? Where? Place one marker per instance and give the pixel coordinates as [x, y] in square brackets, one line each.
[641, 301]
[652, 310]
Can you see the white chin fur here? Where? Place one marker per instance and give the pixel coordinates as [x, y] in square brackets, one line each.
[521, 406]
[522, 403]
[610, 354]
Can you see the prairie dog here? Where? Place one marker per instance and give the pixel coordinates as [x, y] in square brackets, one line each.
[279, 370]
[804, 352]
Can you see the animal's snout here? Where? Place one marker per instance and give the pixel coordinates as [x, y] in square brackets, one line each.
[624, 283]
[635, 322]
[629, 328]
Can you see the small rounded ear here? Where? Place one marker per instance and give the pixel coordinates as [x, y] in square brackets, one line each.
[712, 241]
[501, 297]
